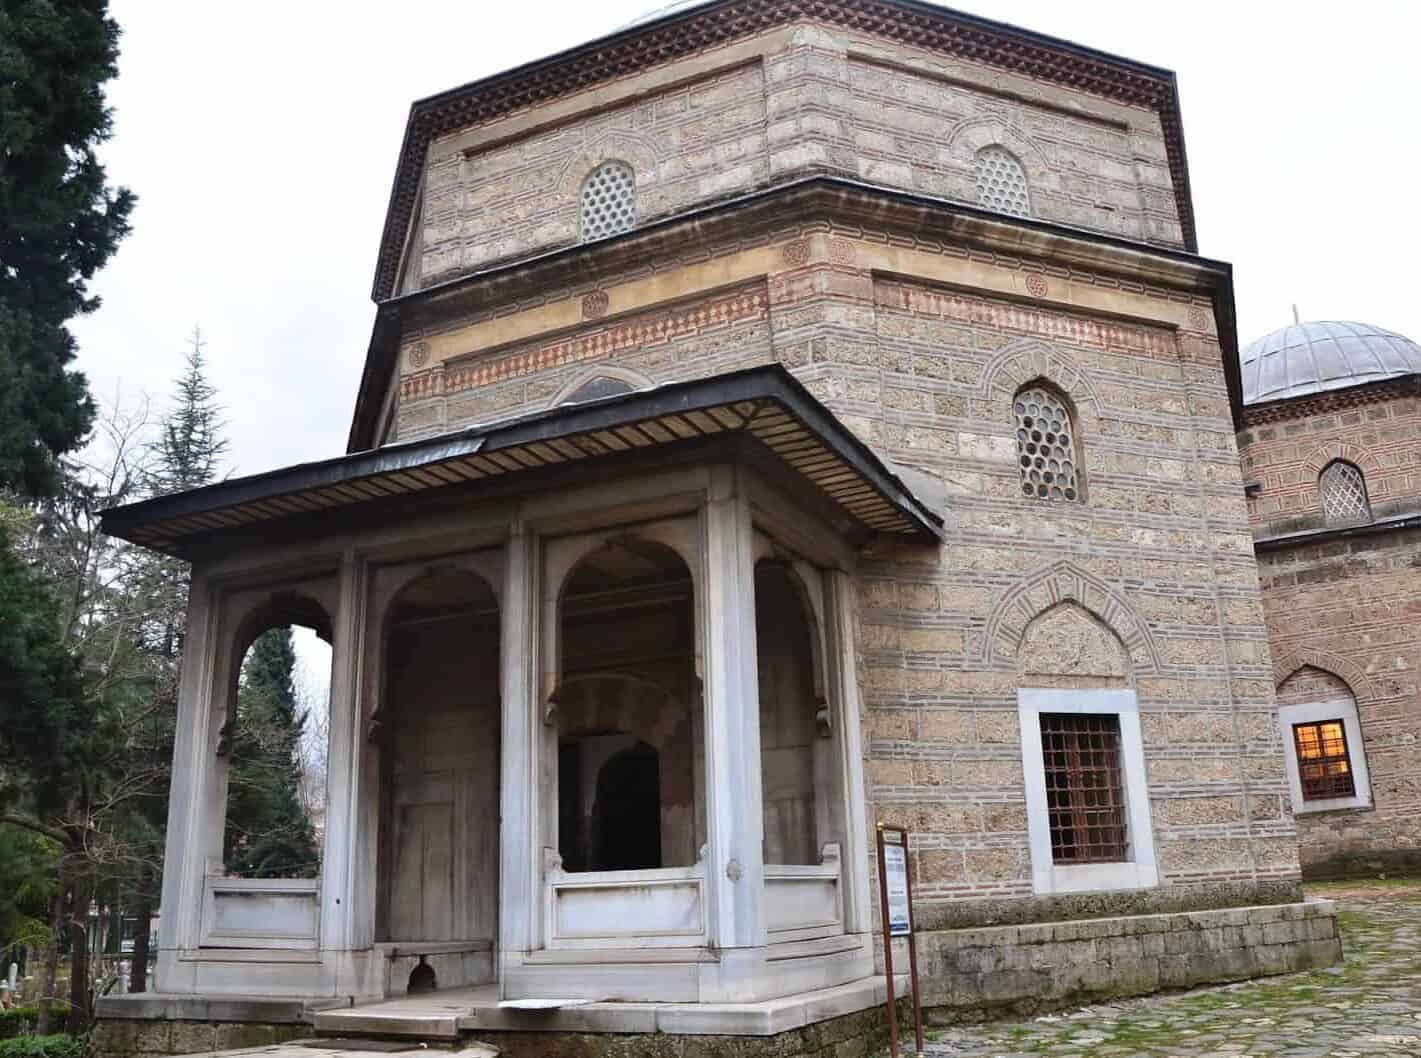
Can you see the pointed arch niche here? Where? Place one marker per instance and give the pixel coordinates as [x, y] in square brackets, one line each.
[1087, 797]
[1323, 749]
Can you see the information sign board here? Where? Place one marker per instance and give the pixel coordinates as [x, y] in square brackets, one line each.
[895, 895]
[895, 879]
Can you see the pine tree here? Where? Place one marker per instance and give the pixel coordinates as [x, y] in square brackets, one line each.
[190, 446]
[59, 223]
[268, 833]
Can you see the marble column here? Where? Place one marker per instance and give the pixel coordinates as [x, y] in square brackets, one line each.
[735, 874]
[520, 877]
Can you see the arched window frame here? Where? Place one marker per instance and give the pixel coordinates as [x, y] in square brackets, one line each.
[1001, 181]
[1046, 461]
[607, 202]
[1342, 494]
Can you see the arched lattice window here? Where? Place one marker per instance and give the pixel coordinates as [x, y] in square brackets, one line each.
[1001, 182]
[608, 201]
[1344, 493]
[1045, 445]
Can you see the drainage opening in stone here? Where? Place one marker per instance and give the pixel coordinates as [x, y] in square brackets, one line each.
[422, 979]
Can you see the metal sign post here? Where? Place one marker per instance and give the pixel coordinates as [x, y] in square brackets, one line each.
[895, 891]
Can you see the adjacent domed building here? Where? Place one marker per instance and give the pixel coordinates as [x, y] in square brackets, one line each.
[1331, 413]
[1319, 357]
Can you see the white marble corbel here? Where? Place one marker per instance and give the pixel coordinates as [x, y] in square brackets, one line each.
[550, 707]
[552, 862]
[375, 725]
[224, 738]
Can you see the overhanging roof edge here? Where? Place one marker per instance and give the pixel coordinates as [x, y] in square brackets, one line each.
[759, 384]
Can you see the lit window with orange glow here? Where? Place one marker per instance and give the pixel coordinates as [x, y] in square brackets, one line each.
[1324, 765]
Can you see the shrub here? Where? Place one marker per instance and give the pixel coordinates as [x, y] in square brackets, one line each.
[20, 1021]
[57, 1046]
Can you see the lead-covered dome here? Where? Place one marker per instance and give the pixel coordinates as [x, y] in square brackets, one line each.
[1324, 355]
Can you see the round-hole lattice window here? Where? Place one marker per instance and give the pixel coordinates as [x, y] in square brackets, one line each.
[1045, 446]
[1001, 182]
[608, 201]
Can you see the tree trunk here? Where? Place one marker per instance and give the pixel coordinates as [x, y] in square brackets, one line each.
[142, 938]
[80, 995]
[50, 967]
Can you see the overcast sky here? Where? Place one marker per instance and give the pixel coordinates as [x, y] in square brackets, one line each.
[261, 139]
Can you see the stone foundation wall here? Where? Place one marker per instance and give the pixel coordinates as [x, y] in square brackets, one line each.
[850, 1036]
[126, 1038]
[974, 973]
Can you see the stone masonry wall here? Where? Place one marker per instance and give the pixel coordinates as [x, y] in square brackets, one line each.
[792, 103]
[688, 144]
[1028, 969]
[711, 335]
[1158, 550]
[1284, 451]
[854, 1035]
[135, 1038]
[1343, 611]
[1157, 555]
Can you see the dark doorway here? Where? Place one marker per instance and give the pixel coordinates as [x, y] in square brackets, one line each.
[626, 816]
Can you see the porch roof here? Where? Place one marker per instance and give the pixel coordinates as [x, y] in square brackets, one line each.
[764, 403]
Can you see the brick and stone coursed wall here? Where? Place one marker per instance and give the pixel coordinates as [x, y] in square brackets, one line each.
[1029, 969]
[1375, 428]
[712, 335]
[1158, 553]
[1343, 611]
[797, 102]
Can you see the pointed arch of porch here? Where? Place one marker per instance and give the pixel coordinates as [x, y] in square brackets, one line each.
[617, 701]
[1056, 583]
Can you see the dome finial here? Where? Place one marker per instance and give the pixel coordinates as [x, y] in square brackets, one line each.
[1295, 313]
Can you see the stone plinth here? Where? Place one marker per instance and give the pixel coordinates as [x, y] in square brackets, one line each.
[974, 973]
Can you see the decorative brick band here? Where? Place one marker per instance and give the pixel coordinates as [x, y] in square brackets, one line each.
[633, 333]
[1337, 400]
[1043, 323]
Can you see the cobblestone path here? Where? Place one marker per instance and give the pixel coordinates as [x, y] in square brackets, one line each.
[1371, 1005]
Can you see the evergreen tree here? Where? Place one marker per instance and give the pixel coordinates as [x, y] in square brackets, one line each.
[44, 712]
[190, 446]
[268, 832]
[59, 223]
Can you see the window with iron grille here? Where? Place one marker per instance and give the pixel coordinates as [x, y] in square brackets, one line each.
[1084, 792]
[1324, 765]
[1344, 493]
[1045, 445]
[608, 201]
[1001, 182]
